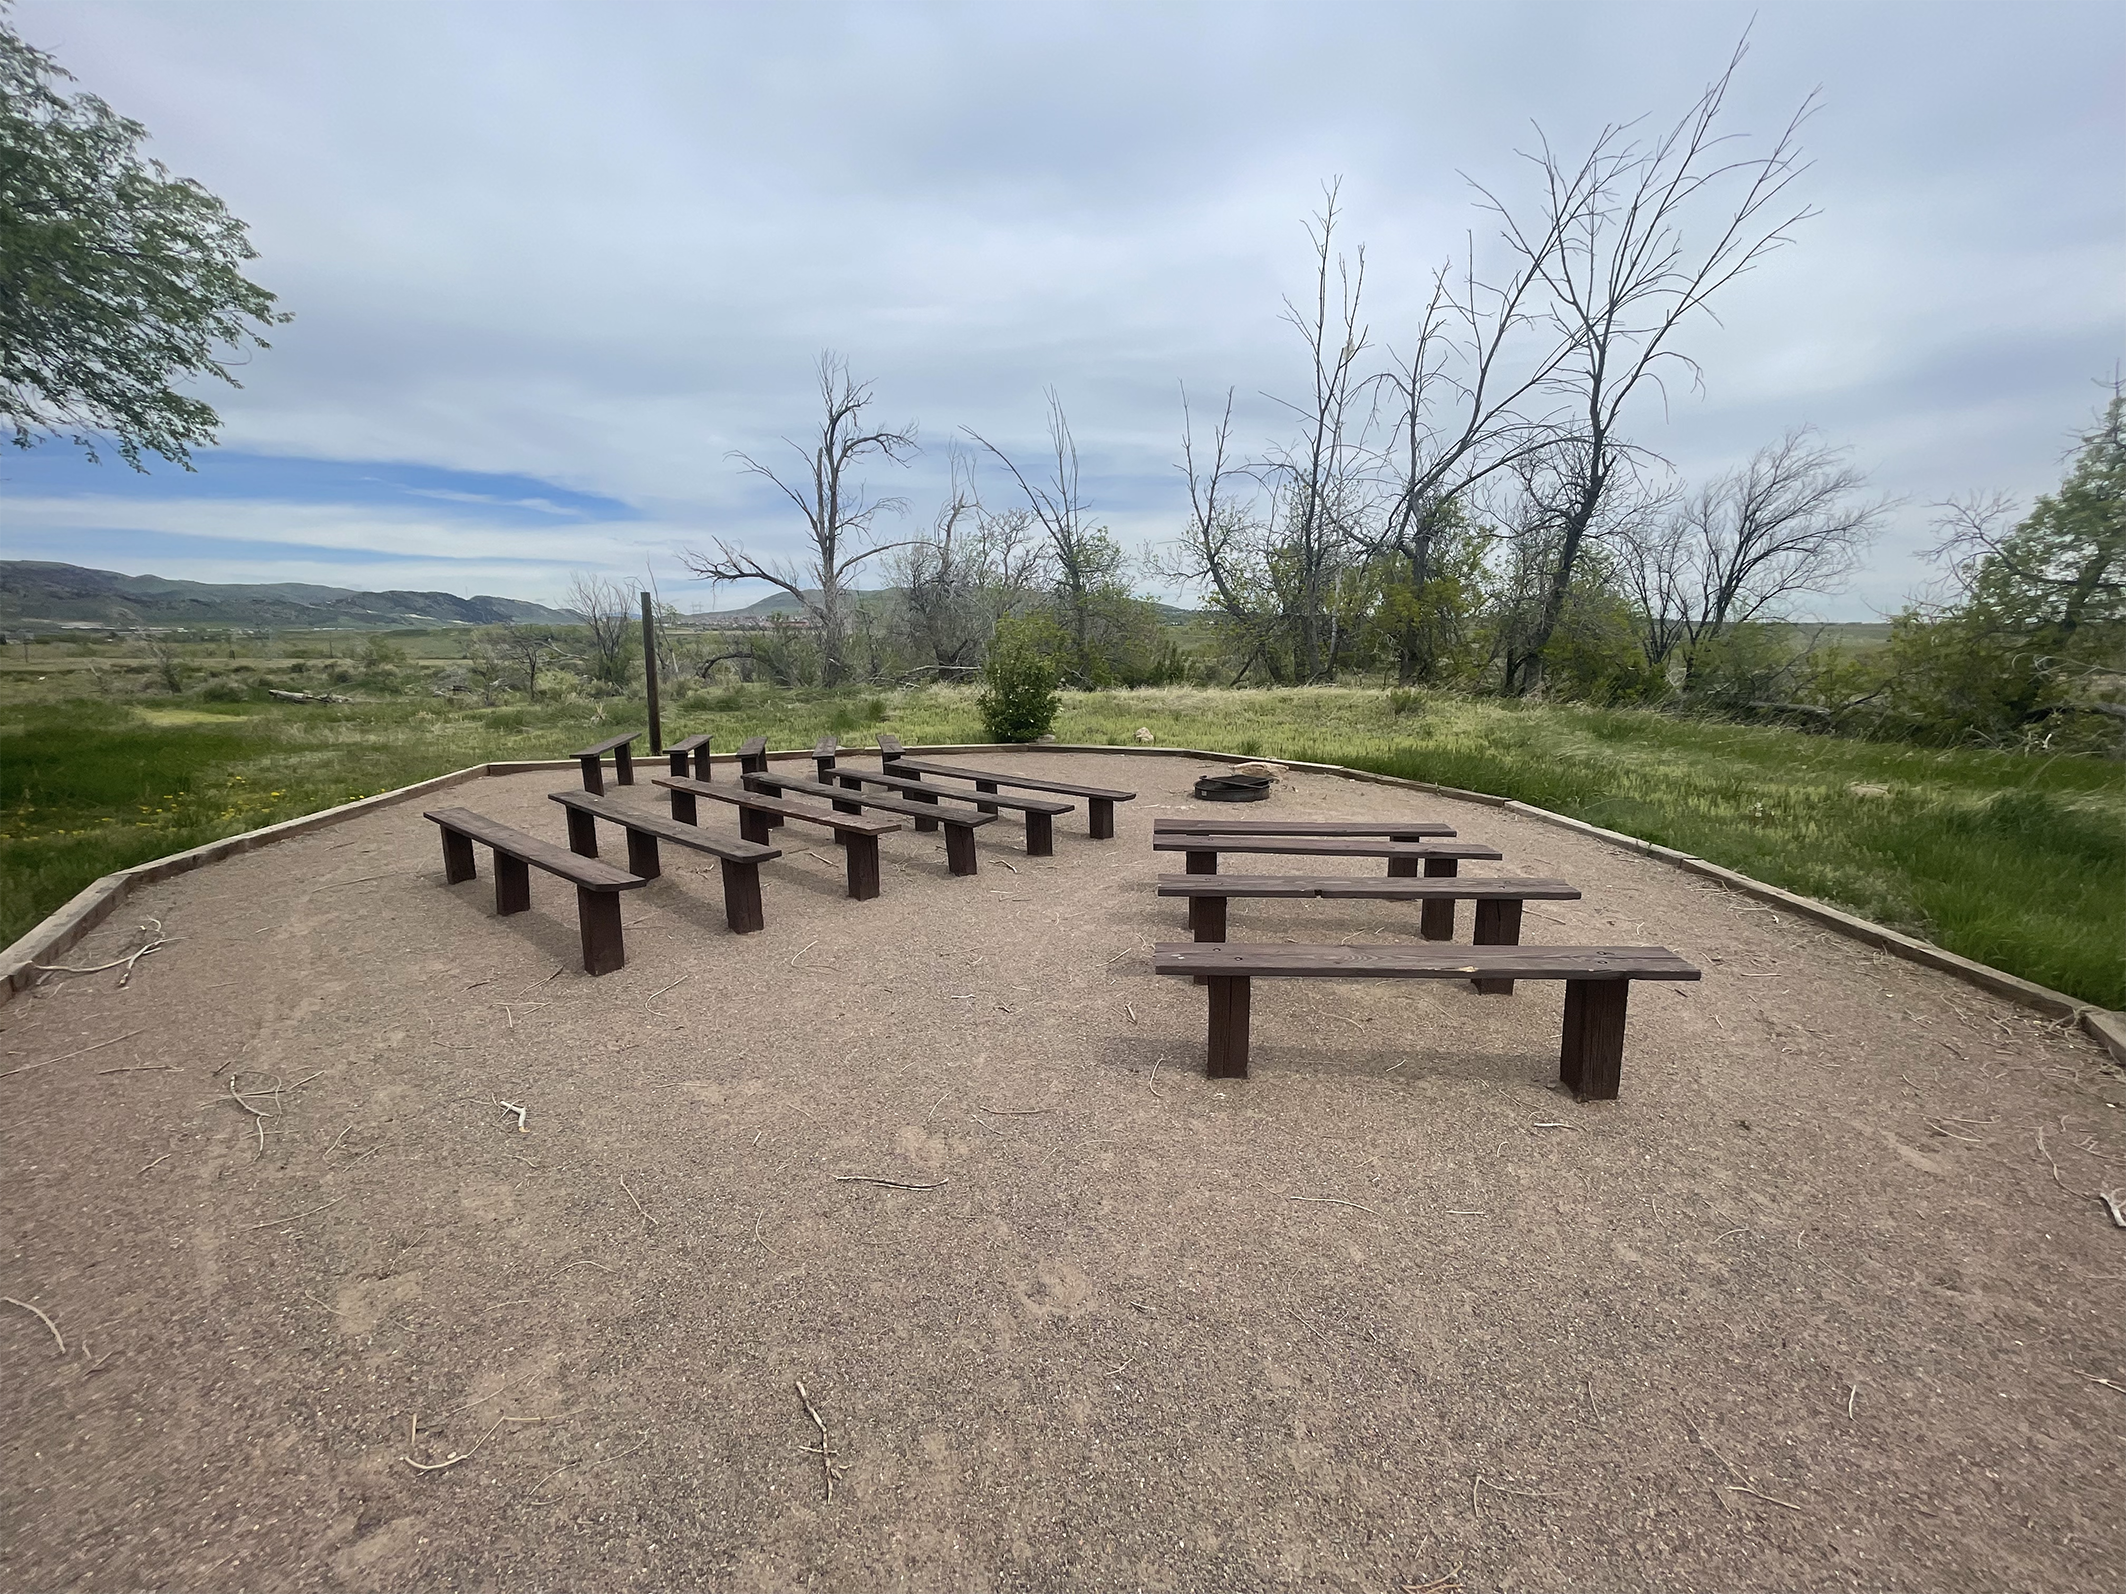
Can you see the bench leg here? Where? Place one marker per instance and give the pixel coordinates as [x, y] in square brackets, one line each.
[923, 797]
[959, 849]
[773, 821]
[624, 770]
[753, 824]
[512, 885]
[741, 896]
[684, 809]
[1101, 811]
[863, 866]
[1040, 835]
[593, 777]
[825, 768]
[701, 762]
[1435, 920]
[1206, 922]
[1201, 863]
[843, 805]
[598, 913]
[458, 865]
[582, 833]
[1591, 1059]
[642, 861]
[1229, 1028]
[679, 764]
[989, 786]
[1498, 923]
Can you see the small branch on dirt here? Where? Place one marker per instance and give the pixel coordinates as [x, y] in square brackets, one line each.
[891, 1184]
[158, 1162]
[1445, 1583]
[65, 1056]
[828, 1467]
[663, 988]
[61, 1338]
[1743, 1488]
[564, 1267]
[1131, 1011]
[1522, 1494]
[1008, 866]
[801, 951]
[1334, 1201]
[2110, 1198]
[519, 1111]
[272, 1223]
[336, 1139]
[1011, 1112]
[450, 1460]
[2092, 1377]
[1852, 1399]
[255, 1112]
[154, 941]
[334, 885]
[141, 1068]
[646, 1218]
[1152, 1084]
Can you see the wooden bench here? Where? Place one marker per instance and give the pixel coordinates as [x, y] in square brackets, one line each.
[1498, 901]
[1597, 983]
[959, 827]
[1439, 860]
[698, 748]
[753, 760]
[740, 860]
[598, 885]
[623, 762]
[823, 755]
[1387, 829]
[1099, 800]
[857, 837]
[1040, 815]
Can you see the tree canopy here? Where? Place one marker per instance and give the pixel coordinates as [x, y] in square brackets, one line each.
[118, 281]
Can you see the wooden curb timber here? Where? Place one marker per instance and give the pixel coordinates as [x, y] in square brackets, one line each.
[92, 905]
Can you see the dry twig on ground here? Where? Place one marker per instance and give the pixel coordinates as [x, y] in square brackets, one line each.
[829, 1468]
[61, 1338]
[66, 1056]
[893, 1184]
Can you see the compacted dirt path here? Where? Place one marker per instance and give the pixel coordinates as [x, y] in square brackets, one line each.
[1826, 1299]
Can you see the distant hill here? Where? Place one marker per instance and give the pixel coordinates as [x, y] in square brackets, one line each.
[33, 591]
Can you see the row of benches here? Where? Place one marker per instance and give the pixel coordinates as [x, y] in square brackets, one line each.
[762, 807]
[1597, 979]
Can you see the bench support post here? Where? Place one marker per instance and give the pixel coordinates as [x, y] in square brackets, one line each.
[863, 864]
[582, 833]
[1206, 922]
[701, 762]
[1228, 1058]
[642, 860]
[767, 789]
[1435, 920]
[843, 805]
[989, 786]
[1040, 836]
[687, 812]
[593, 776]
[458, 865]
[678, 761]
[624, 769]
[598, 915]
[1591, 1059]
[512, 885]
[959, 849]
[753, 824]
[1101, 811]
[922, 797]
[741, 896]
[1201, 862]
[1498, 923]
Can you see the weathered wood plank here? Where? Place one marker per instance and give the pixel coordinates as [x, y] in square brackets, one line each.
[1264, 959]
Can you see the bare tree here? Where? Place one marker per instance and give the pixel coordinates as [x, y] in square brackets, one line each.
[526, 646]
[975, 567]
[838, 513]
[607, 608]
[1786, 523]
[1087, 562]
[1618, 248]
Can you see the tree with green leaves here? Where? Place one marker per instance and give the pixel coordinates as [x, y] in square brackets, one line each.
[118, 281]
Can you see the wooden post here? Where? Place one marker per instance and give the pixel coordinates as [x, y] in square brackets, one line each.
[1101, 810]
[598, 917]
[1201, 863]
[863, 864]
[1498, 923]
[1206, 922]
[582, 833]
[458, 865]
[512, 885]
[702, 761]
[624, 764]
[1435, 920]
[741, 896]
[1040, 835]
[684, 808]
[593, 776]
[959, 849]
[989, 786]
[1591, 1058]
[922, 797]
[642, 859]
[1228, 1057]
[649, 680]
[843, 805]
[753, 825]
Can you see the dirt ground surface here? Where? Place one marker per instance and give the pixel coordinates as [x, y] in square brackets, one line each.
[1825, 1300]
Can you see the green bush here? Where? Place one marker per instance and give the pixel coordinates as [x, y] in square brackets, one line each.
[1019, 699]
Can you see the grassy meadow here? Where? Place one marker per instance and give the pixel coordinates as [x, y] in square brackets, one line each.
[2016, 861]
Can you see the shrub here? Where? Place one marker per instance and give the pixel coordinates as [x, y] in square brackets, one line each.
[1019, 699]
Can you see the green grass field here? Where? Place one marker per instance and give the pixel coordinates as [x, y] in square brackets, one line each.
[2018, 862]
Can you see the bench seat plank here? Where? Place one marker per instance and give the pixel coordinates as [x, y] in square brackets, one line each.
[740, 860]
[601, 748]
[1040, 815]
[1386, 888]
[959, 825]
[623, 762]
[1099, 800]
[858, 836]
[598, 885]
[1322, 847]
[1394, 830]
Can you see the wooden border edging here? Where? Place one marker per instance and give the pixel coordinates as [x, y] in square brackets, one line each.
[95, 902]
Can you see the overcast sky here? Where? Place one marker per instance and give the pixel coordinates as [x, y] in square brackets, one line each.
[551, 264]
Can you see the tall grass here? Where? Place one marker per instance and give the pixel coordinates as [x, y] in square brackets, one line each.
[2015, 861]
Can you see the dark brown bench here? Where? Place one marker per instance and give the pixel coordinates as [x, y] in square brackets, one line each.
[1498, 901]
[1099, 800]
[1597, 984]
[1040, 815]
[1439, 860]
[623, 762]
[740, 860]
[1389, 829]
[824, 753]
[696, 747]
[857, 837]
[753, 760]
[598, 885]
[959, 826]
